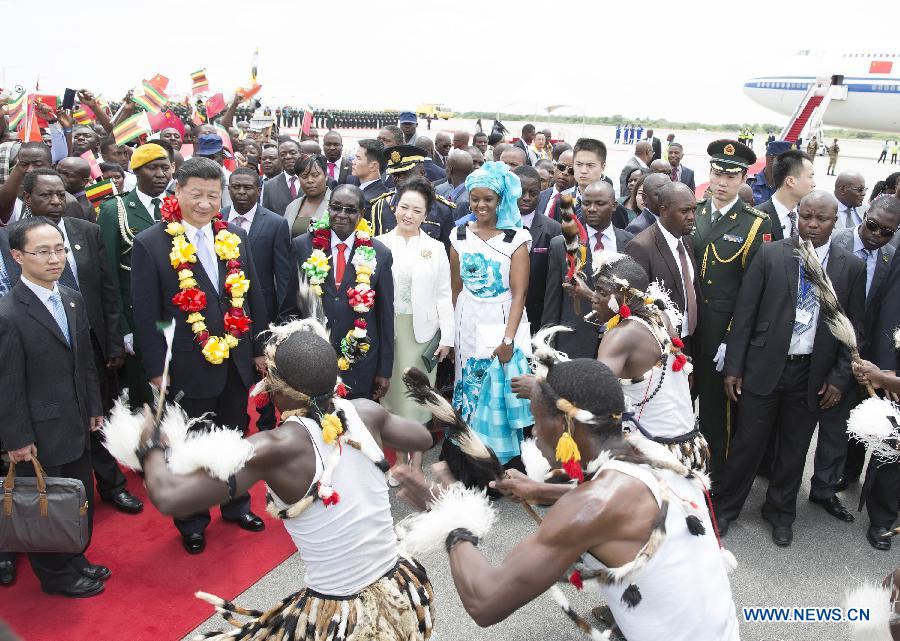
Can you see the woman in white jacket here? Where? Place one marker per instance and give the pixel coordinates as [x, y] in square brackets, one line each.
[423, 304]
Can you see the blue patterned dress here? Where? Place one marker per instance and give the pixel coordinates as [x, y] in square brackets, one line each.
[485, 299]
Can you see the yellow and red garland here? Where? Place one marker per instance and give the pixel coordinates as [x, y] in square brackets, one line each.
[191, 299]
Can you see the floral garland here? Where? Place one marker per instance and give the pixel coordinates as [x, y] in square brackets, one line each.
[191, 299]
[361, 298]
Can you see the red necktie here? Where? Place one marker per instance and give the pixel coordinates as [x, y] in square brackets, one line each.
[689, 293]
[553, 206]
[340, 264]
[674, 174]
[293, 187]
[598, 242]
[331, 170]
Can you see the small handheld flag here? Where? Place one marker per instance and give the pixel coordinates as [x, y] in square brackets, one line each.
[201, 84]
[131, 128]
[100, 191]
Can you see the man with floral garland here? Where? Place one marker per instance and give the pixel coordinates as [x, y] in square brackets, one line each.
[350, 275]
[196, 269]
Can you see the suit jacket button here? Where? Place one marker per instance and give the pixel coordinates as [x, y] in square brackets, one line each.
[337, 299]
[709, 282]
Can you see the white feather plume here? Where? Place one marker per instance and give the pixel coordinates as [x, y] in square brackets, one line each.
[897, 339]
[544, 352]
[456, 507]
[870, 423]
[122, 433]
[220, 451]
[536, 465]
[877, 601]
[605, 257]
[175, 424]
[281, 332]
[657, 291]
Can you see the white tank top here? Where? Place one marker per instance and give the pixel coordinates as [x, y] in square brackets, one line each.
[670, 411]
[347, 546]
[675, 605]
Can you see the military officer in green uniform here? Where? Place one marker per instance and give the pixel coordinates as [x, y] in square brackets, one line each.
[726, 237]
[120, 220]
[404, 162]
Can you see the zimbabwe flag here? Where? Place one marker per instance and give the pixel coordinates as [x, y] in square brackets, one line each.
[201, 84]
[100, 191]
[83, 115]
[152, 99]
[131, 128]
[16, 110]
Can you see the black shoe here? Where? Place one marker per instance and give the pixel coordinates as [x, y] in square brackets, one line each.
[878, 539]
[193, 543]
[95, 572]
[723, 525]
[82, 588]
[845, 482]
[125, 501]
[782, 535]
[835, 508]
[249, 522]
[7, 572]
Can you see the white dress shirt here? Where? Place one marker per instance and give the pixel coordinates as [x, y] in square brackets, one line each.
[803, 343]
[871, 259]
[783, 217]
[287, 181]
[209, 241]
[145, 200]
[349, 242]
[41, 292]
[247, 218]
[528, 220]
[366, 184]
[641, 163]
[607, 237]
[723, 209]
[70, 255]
[673, 243]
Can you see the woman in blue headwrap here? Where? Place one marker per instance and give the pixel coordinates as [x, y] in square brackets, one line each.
[489, 269]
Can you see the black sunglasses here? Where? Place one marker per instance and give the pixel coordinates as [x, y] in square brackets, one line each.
[875, 228]
[564, 168]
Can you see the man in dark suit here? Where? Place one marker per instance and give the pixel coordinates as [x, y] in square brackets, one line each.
[655, 144]
[370, 377]
[668, 257]
[51, 392]
[442, 145]
[86, 271]
[368, 166]
[869, 241]
[783, 366]
[679, 172]
[270, 243]
[793, 177]
[598, 204]
[524, 143]
[337, 167]
[542, 230]
[563, 183]
[643, 156]
[121, 219]
[459, 166]
[280, 191]
[211, 376]
[652, 184]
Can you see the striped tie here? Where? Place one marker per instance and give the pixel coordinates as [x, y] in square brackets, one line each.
[59, 314]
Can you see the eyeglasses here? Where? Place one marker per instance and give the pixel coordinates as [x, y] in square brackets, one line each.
[875, 228]
[45, 254]
[858, 190]
[564, 168]
[336, 209]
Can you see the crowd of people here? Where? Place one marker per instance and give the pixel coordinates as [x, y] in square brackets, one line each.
[538, 296]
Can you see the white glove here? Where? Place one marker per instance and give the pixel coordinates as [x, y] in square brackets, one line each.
[719, 358]
[129, 344]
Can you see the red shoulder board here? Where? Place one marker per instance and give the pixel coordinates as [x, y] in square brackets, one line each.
[767, 238]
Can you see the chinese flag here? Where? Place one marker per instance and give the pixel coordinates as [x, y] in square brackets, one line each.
[159, 81]
[48, 100]
[214, 106]
[164, 120]
[306, 123]
[92, 161]
[34, 132]
[880, 66]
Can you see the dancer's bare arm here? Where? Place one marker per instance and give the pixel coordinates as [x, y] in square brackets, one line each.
[391, 430]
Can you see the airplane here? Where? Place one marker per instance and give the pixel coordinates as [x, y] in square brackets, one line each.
[858, 89]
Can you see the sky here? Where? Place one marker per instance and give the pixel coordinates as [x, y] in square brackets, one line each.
[683, 61]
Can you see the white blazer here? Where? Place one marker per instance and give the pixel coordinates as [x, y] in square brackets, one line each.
[432, 299]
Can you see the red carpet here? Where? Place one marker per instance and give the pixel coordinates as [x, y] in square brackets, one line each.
[150, 595]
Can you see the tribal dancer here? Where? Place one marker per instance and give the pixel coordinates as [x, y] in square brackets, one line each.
[324, 471]
[637, 527]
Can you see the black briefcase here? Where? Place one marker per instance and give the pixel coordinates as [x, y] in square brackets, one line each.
[42, 514]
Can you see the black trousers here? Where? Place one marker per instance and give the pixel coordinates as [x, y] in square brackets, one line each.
[57, 571]
[856, 459]
[230, 408]
[831, 449]
[717, 414]
[786, 412]
[884, 493]
[110, 479]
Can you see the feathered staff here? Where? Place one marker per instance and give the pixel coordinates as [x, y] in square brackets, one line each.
[575, 236]
[471, 462]
[875, 421]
